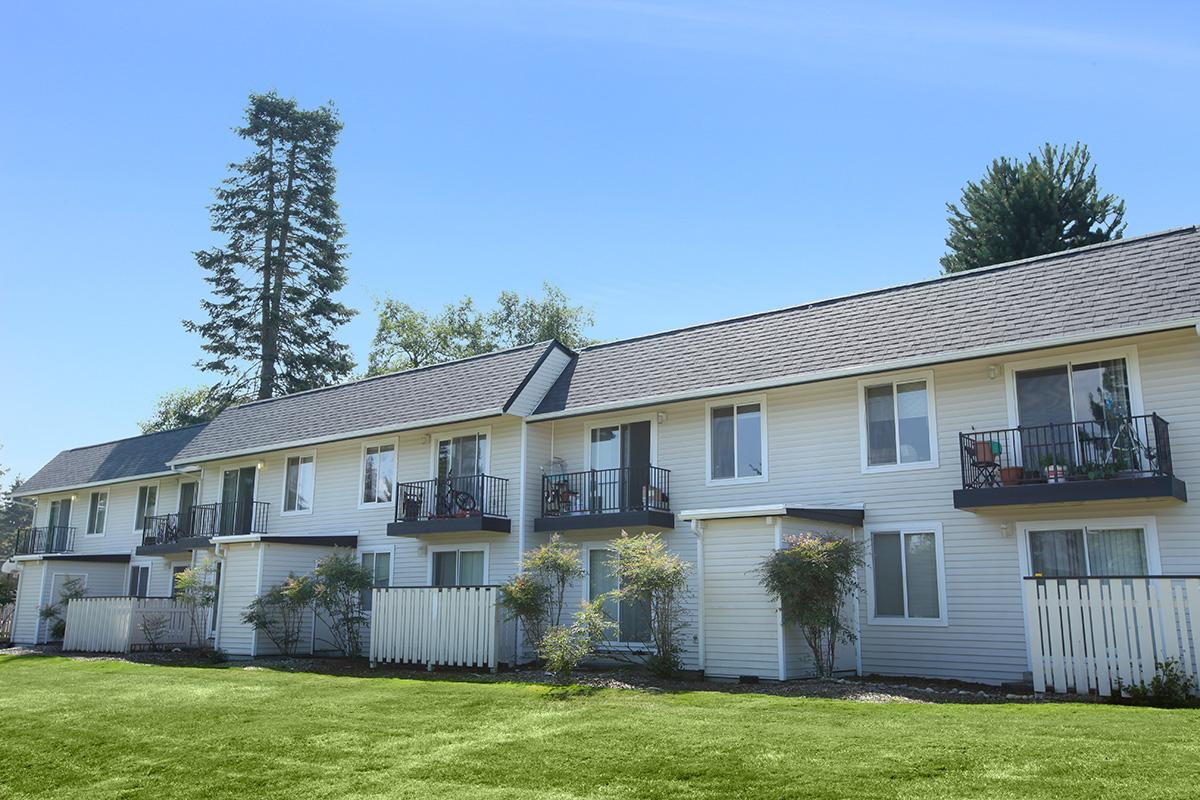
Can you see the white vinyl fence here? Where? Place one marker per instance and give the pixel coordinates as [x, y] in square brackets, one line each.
[442, 626]
[119, 624]
[1085, 634]
[7, 611]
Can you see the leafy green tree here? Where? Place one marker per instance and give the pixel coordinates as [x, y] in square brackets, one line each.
[651, 576]
[279, 612]
[14, 515]
[271, 320]
[339, 584]
[184, 407]
[196, 589]
[406, 337]
[1019, 210]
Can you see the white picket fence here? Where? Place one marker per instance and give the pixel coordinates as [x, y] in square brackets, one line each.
[1085, 634]
[436, 626]
[7, 612]
[115, 624]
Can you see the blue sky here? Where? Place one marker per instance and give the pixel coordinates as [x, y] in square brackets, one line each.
[665, 163]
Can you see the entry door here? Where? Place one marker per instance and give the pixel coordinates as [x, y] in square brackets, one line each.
[620, 456]
[60, 518]
[187, 499]
[237, 500]
[635, 457]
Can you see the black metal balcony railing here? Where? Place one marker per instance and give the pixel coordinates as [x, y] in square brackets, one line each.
[49, 539]
[232, 518]
[606, 491]
[1116, 447]
[452, 497]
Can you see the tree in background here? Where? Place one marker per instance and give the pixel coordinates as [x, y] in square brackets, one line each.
[14, 516]
[273, 314]
[184, 407]
[1019, 210]
[406, 337]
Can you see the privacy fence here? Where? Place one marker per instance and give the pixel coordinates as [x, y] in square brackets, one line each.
[122, 624]
[1095, 634]
[442, 626]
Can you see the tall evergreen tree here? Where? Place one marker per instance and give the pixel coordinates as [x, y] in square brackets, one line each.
[271, 321]
[1018, 210]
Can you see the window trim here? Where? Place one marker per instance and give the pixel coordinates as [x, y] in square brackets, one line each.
[467, 546]
[869, 531]
[586, 594]
[283, 512]
[138, 565]
[70, 512]
[931, 409]
[442, 435]
[374, 549]
[179, 494]
[617, 422]
[104, 527]
[1149, 526]
[362, 472]
[1127, 352]
[137, 493]
[743, 400]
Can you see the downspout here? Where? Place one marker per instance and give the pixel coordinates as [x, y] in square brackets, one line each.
[858, 670]
[778, 522]
[262, 550]
[698, 532]
[518, 648]
[217, 610]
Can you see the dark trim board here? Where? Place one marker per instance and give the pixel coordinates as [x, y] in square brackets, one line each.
[335, 540]
[638, 520]
[184, 545]
[1072, 492]
[115, 558]
[841, 516]
[484, 524]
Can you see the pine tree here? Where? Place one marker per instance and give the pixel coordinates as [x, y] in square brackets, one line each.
[271, 321]
[1018, 210]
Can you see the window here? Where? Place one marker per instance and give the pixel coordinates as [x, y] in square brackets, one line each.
[176, 570]
[451, 567]
[139, 580]
[380, 566]
[97, 513]
[736, 442]
[147, 505]
[298, 485]
[378, 474]
[60, 514]
[898, 429]
[462, 456]
[632, 618]
[907, 581]
[1084, 550]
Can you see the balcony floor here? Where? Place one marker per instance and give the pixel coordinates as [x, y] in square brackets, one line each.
[1071, 492]
[418, 527]
[636, 520]
[182, 545]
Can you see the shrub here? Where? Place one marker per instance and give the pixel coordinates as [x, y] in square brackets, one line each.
[527, 600]
[280, 612]
[196, 589]
[811, 578]
[339, 584]
[154, 628]
[1170, 687]
[217, 656]
[56, 613]
[648, 573]
[564, 646]
[556, 564]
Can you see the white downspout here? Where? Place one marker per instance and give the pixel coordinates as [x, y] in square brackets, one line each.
[778, 522]
[262, 550]
[698, 532]
[519, 648]
[858, 670]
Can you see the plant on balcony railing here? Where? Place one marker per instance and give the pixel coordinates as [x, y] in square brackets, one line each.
[452, 497]
[606, 491]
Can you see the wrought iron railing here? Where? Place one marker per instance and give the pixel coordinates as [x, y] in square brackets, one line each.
[1115, 447]
[47, 539]
[606, 491]
[452, 497]
[232, 518]
[168, 528]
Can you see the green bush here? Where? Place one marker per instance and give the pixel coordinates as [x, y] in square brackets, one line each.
[196, 590]
[1170, 687]
[55, 614]
[527, 600]
[280, 612]
[648, 573]
[565, 646]
[340, 581]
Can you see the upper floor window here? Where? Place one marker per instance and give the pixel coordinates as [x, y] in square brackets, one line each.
[907, 582]
[462, 456]
[737, 442]
[1073, 392]
[147, 505]
[298, 484]
[97, 513]
[898, 424]
[378, 474]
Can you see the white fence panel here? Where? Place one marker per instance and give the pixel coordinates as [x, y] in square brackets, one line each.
[1089, 634]
[115, 624]
[7, 612]
[443, 626]
[176, 624]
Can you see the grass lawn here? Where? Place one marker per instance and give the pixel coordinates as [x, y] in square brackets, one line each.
[75, 729]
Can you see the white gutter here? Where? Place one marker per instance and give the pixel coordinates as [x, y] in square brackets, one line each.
[519, 645]
[125, 479]
[779, 510]
[698, 532]
[946, 356]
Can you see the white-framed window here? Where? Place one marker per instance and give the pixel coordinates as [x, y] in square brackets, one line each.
[147, 505]
[898, 425]
[461, 455]
[737, 440]
[377, 480]
[379, 563]
[1073, 548]
[60, 513]
[458, 565]
[139, 580]
[97, 513]
[298, 480]
[632, 619]
[906, 576]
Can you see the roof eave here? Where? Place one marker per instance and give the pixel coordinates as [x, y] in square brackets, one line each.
[22, 492]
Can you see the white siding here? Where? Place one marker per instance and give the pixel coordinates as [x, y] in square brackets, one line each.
[29, 600]
[529, 397]
[239, 586]
[280, 560]
[741, 623]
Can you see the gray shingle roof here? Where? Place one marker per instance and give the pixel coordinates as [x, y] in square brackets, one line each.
[111, 461]
[469, 388]
[1125, 284]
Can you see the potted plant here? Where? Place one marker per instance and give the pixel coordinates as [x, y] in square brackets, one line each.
[986, 451]
[1055, 468]
[1011, 476]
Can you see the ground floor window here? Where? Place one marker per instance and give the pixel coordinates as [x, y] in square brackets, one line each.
[632, 618]
[175, 572]
[458, 567]
[907, 583]
[379, 564]
[1073, 550]
[139, 580]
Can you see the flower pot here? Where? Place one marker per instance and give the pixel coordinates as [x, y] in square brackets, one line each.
[1055, 473]
[1011, 476]
[983, 451]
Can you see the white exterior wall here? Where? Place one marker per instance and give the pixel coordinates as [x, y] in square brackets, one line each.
[29, 600]
[741, 623]
[280, 560]
[239, 586]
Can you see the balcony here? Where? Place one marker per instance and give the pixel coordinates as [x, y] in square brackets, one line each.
[452, 504]
[625, 497]
[174, 533]
[44, 541]
[1118, 458]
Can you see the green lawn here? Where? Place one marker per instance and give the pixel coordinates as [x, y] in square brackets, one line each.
[74, 729]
